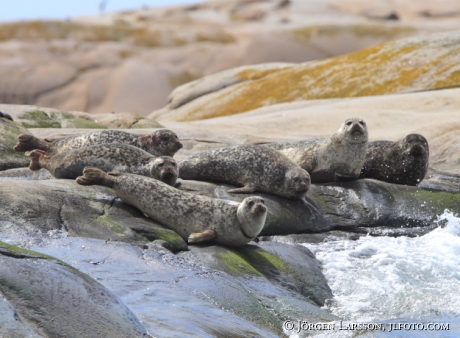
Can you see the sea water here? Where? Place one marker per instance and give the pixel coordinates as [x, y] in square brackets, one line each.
[405, 283]
[376, 280]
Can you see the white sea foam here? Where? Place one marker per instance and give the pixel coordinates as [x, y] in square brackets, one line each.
[387, 279]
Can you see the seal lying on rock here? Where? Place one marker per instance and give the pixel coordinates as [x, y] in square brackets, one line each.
[108, 157]
[195, 218]
[255, 168]
[402, 162]
[162, 142]
[337, 158]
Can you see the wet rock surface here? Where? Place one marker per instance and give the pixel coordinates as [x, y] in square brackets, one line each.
[44, 297]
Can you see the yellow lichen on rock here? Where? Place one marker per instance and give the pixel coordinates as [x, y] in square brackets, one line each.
[407, 65]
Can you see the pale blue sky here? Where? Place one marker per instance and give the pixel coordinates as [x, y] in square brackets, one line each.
[57, 9]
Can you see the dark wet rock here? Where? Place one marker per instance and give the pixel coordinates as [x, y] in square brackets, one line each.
[41, 293]
[9, 131]
[265, 284]
[369, 206]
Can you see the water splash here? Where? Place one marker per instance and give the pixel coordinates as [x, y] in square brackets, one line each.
[387, 279]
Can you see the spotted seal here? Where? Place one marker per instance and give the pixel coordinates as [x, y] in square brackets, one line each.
[162, 142]
[337, 158]
[195, 218]
[401, 162]
[108, 157]
[255, 168]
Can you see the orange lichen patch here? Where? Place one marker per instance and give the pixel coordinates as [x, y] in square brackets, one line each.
[394, 67]
[254, 74]
[360, 30]
[451, 81]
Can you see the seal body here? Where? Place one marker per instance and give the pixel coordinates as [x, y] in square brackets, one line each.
[252, 167]
[195, 218]
[337, 158]
[402, 162]
[162, 142]
[108, 157]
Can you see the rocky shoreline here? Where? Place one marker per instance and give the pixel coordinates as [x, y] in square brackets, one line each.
[254, 288]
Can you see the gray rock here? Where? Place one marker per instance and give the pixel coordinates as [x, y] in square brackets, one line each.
[44, 297]
[265, 284]
[93, 212]
[9, 131]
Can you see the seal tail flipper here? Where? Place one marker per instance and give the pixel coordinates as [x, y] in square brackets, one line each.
[95, 176]
[28, 142]
[204, 236]
[248, 188]
[35, 156]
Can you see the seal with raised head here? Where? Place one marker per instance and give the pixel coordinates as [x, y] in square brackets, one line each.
[401, 162]
[337, 158]
[252, 167]
[162, 142]
[195, 218]
[108, 157]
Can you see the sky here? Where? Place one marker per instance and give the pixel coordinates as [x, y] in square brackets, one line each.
[12, 10]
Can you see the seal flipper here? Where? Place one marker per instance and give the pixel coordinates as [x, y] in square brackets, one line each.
[95, 176]
[28, 142]
[35, 156]
[248, 188]
[204, 236]
[345, 177]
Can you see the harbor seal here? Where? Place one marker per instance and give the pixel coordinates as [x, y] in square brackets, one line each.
[162, 142]
[108, 157]
[337, 158]
[195, 218]
[402, 162]
[255, 168]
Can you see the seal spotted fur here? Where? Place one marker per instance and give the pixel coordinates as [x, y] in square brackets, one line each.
[162, 142]
[402, 162]
[195, 218]
[337, 158]
[108, 157]
[255, 168]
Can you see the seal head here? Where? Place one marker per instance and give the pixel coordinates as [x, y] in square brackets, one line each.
[297, 181]
[251, 214]
[162, 141]
[401, 162]
[354, 130]
[164, 168]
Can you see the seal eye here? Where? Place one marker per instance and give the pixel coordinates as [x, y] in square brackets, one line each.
[251, 204]
[262, 200]
[349, 123]
[165, 138]
[362, 123]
